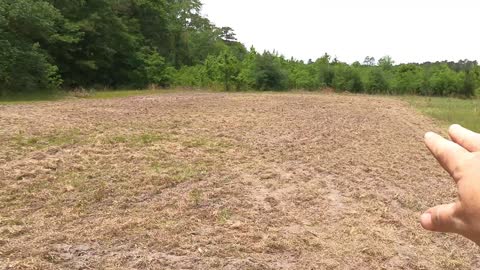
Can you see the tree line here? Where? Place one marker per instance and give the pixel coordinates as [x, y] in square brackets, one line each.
[52, 44]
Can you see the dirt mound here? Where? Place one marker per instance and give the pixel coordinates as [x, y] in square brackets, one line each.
[221, 181]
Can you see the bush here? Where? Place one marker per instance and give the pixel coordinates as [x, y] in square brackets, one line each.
[26, 69]
[269, 74]
[376, 82]
[347, 78]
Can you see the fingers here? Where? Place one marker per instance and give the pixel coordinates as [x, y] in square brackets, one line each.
[448, 153]
[442, 219]
[465, 138]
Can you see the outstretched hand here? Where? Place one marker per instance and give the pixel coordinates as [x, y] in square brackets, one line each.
[461, 159]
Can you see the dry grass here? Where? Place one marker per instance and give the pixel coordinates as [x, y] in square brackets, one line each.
[221, 181]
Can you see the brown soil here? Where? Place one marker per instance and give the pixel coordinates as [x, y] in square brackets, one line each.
[221, 181]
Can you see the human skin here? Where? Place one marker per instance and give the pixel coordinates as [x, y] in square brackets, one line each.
[460, 157]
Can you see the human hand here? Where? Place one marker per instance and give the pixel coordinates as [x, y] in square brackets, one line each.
[461, 159]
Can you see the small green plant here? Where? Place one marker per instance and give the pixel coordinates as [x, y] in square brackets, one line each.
[148, 138]
[224, 215]
[196, 196]
[21, 140]
[183, 173]
[58, 139]
[117, 139]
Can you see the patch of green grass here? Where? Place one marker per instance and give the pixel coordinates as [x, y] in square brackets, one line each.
[178, 172]
[87, 94]
[149, 138]
[31, 97]
[224, 215]
[210, 145]
[465, 112]
[139, 139]
[183, 173]
[196, 196]
[39, 142]
[116, 139]
[127, 93]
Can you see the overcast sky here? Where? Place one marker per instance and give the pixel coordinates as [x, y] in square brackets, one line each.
[407, 30]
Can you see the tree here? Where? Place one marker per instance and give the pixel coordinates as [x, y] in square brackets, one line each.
[247, 78]
[386, 62]
[444, 81]
[46, 44]
[408, 79]
[325, 71]
[376, 82]
[469, 84]
[154, 69]
[269, 74]
[229, 68]
[24, 64]
[227, 34]
[369, 61]
[347, 78]
[301, 76]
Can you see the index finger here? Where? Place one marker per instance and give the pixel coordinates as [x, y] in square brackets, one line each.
[448, 153]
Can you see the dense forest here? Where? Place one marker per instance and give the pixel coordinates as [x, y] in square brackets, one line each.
[69, 44]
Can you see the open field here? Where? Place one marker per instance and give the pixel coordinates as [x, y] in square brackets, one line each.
[450, 110]
[221, 181]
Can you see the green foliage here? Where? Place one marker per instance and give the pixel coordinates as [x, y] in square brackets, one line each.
[347, 78]
[269, 74]
[229, 68]
[109, 43]
[469, 84]
[325, 71]
[153, 68]
[408, 79]
[377, 82]
[386, 63]
[246, 76]
[48, 44]
[444, 81]
[24, 65]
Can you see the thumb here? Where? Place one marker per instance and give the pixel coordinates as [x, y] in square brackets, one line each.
[441, 218]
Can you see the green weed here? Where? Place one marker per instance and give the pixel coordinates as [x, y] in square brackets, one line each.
[209, 145]
[224, 215]
[66, 138]
[196, 196]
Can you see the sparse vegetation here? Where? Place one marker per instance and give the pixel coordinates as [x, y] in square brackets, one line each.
[196, 196]
[61, 138]
[224, 215]
[155, 182]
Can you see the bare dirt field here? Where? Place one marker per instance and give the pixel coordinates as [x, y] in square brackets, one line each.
[221, 181]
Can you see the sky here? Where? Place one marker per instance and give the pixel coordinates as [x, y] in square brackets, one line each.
[406, 30]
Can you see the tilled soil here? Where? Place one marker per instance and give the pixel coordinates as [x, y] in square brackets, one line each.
[221, 181]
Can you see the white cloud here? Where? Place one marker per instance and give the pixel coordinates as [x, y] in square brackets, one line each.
[407, 30]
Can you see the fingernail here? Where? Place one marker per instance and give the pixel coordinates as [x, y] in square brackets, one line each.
[426, 221]
[454, 126]
[428, 135]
